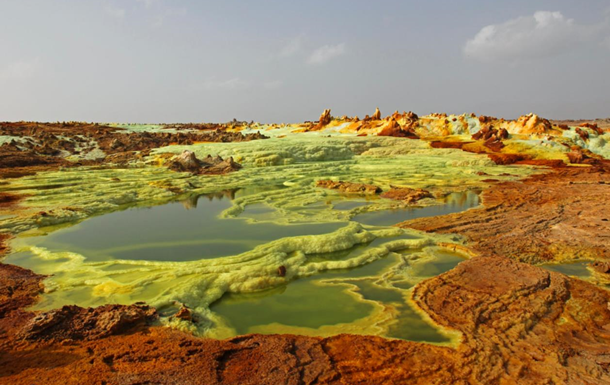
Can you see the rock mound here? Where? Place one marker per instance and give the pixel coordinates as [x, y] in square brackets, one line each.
[349, 187]
[407, 195]
[188, 162]
[77, 323]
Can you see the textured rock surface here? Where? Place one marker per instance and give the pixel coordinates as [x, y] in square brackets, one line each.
[188, 162]
[562, 215]
[520, 325]
[407, 195]
[349, 187]
[19, 288]
[77, 323]
[51, 145]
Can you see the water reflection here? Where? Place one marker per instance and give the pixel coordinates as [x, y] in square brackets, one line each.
[452, 203]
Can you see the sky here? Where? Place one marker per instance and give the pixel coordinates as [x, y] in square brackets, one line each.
[286, 61]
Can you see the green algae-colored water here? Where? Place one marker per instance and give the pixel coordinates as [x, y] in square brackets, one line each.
[181, 231]
[453, 203]
[215, 244]
[574, 269]
[332, 299]
[193, 230]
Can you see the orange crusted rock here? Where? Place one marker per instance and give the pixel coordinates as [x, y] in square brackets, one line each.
[349, 187]
[407, 195]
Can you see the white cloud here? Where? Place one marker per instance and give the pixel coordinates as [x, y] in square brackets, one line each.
[542, 34]
[116, 12]
[19, 70]
[326, 53]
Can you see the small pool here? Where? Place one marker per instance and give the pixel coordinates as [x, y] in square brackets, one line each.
[187, 252]
[452, 203]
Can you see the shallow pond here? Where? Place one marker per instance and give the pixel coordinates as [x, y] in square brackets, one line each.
[574, 269]
[452, 203]
[186, 252]
[327, 303]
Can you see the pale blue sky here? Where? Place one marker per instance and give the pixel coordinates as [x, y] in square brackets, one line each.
[285, 61]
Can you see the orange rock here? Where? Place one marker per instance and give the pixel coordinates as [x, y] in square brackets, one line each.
[324, 120]
[376, 115]
[349, 187]
[407, 195]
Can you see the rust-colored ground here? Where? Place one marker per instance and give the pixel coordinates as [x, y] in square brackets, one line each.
[520, 324]
[562, 215]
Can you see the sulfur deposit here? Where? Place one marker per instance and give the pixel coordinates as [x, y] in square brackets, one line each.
[398, 249]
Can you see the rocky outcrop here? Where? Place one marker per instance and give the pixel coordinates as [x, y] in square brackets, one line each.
[184, 313]
[77, 323]
[504, 159]
[407, 195]
[47, 145]
[188, 162]
[592, 126]
[349, 187]
[324, 120]
[376, 115]
[529, 124]
[557, 216]
[19, 288]
[521, 324]
[601, 266]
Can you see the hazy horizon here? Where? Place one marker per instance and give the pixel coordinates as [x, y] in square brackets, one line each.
[162, 61]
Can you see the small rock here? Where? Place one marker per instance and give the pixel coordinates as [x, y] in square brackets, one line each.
[281, 271]
[184, 314]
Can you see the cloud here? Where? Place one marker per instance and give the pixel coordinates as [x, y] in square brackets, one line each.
[117, 13]
[326, 53]
[19, 70]
[543, 34]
